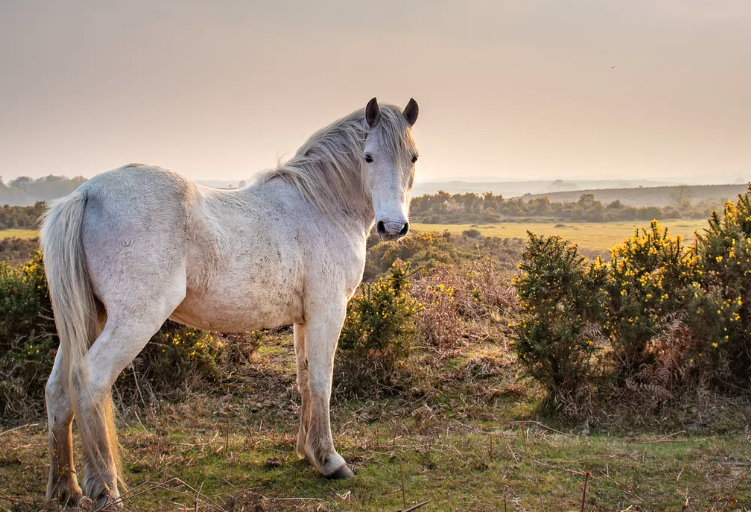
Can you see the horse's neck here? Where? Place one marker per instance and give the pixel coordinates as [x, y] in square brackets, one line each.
[357, 214]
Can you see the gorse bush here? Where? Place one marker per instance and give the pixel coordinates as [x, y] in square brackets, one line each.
[646, 281]
[380, 323]
[673, 317]
[725, 252]
[561, 299]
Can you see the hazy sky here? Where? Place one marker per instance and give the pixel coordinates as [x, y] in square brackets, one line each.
[508, 89]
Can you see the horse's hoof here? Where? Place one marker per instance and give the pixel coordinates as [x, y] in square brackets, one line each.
[343, 473]
[66, 496]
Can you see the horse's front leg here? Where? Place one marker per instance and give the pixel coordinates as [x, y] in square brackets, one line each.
[321, 335]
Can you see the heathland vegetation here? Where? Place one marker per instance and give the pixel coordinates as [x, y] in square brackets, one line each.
[482, 373]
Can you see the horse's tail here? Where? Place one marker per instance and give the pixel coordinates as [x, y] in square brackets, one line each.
[72, 296]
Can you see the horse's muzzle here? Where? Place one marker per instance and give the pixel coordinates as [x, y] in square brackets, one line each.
[389, 231]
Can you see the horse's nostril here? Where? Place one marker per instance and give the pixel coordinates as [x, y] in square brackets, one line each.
[381, 228]
[405, 229]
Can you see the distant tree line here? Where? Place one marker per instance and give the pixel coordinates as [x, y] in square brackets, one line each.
[21, 217]
[25, 191]
[439, 208]
[445, 208]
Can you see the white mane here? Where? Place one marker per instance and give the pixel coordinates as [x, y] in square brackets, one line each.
[327, 168]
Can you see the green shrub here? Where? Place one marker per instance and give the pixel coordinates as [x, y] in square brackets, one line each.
[27, 339]
[561, 301]
[380, 323]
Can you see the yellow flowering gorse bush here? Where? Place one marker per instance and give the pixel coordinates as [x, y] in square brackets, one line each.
[658, 303]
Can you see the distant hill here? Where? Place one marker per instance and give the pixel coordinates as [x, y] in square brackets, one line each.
[518, 188]
[648, 196]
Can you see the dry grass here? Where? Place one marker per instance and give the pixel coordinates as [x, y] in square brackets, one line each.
[26, 234]
[598, 236]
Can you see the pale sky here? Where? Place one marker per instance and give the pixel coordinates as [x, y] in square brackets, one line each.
[508, 89]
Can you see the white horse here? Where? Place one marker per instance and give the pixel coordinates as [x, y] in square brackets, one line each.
[138, 245]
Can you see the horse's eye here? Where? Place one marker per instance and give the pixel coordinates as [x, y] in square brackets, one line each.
[368, 158]
[414, 158]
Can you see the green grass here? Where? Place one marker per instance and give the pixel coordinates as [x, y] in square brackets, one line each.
[441, 446]
[528, 468]
[600, 237]
[18, 233]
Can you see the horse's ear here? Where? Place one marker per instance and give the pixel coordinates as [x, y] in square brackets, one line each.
[372, 113]
[411, 111]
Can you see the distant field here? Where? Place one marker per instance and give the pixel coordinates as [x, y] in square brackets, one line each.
[18, 233]
[598, 237]
[595, 236]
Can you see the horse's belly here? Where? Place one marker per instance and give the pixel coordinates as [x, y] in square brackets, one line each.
[229, 311]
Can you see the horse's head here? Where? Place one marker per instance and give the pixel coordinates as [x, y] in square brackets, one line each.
[389, 162]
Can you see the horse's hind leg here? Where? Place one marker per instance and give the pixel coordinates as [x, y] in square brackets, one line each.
[129, 327]
[63, 484]
[302, 385]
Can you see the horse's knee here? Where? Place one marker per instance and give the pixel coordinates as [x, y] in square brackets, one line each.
[59, 410]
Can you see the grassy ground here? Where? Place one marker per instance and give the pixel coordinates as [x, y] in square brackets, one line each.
[18, 233]
[463, 445]
[595, 236]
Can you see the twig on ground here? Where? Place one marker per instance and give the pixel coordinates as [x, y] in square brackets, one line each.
[584, 492]
[415, 507]
[13, 500]
[18, 428]
[294, 499]
[687, 504]
[743, 477]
